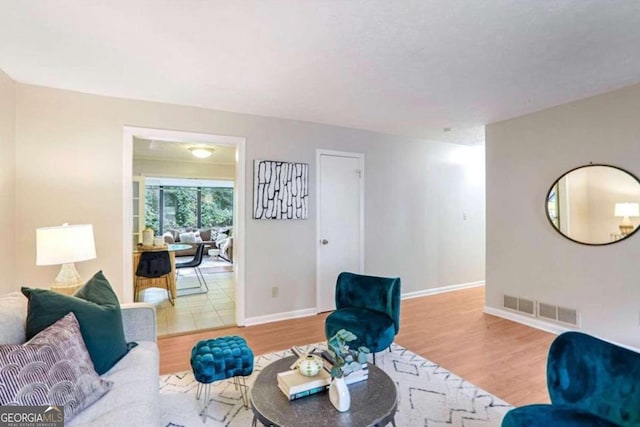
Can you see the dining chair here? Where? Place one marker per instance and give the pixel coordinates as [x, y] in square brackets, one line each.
[153, 265]
[195, 264]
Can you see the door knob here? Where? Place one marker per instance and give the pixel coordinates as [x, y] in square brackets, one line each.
[324, 241]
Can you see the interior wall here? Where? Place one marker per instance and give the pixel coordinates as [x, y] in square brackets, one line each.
[7, 183]
[182, 169]
[578, 206]
[526, 257]
[416, 193]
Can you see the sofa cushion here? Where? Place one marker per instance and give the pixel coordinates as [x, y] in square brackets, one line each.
[188, 237]
[53, 368]
[133, 399]
[13, 314]
[375, 330]
[175, 233]
[97, 310]
[220, 237]
[205, 234]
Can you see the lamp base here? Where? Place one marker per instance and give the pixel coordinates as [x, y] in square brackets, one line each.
[68, 280]
[625, 229]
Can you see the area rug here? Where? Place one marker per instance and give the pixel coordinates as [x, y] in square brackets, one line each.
[428, 395]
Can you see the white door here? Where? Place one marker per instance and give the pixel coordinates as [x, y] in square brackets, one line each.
[340, 221]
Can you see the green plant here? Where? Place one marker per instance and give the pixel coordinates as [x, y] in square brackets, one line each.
[347, 360]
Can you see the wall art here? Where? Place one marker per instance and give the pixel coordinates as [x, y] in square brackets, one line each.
[280, 190]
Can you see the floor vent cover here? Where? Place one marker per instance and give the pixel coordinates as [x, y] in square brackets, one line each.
[558, 314]
[519, 304]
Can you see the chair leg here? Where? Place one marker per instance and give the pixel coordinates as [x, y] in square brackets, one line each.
[135, 289]
[201, 276]
[169, 290]
[195, 270]
[245, 393]
[205, 404]
[198, 390]
[240, 383]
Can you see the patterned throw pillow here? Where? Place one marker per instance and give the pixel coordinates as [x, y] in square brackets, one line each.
[53, 368]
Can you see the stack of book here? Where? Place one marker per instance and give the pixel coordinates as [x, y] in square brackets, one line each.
[361, 374]
[295, 385]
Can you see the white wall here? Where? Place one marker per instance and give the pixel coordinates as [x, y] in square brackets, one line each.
[7, 182]
[70, 163]
[182, 169]
[578, 205]
[526, 257]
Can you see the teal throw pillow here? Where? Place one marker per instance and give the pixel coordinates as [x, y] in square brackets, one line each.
[97, 309]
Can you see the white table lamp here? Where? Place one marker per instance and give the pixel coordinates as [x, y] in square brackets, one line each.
[626, 210]
[65, 245]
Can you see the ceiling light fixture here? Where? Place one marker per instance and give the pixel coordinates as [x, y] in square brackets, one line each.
[201, 152]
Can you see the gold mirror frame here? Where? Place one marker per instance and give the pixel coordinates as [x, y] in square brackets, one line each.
[586, 204]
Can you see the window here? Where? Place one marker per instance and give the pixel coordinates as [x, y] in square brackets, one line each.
[177, 204]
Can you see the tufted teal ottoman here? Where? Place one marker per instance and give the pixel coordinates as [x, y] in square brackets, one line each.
[219, 359]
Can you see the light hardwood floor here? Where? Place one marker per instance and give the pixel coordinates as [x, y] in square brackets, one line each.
[505, 358]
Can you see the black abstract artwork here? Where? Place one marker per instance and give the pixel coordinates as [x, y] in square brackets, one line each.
[280, 190]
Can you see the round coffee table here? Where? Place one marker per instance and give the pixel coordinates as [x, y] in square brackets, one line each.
[373, 402]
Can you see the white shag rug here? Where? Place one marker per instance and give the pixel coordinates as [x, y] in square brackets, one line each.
[428, 395]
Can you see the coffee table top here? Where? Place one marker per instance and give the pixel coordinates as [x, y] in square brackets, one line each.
[373, 402]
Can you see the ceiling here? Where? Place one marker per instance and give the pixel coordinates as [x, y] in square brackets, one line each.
[172, 151]
[407, 67]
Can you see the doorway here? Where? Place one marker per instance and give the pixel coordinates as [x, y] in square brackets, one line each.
[340, 226]
[237, 145]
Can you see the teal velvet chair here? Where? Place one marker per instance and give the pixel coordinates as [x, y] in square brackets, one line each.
[591, 383]
[369, 307]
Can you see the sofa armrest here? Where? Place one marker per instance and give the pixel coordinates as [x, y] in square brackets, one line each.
[139, 321]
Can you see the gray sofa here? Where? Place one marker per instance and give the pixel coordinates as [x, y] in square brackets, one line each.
[212, 238]
[134, 398]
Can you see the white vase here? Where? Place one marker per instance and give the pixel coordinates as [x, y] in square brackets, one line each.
[339, 394]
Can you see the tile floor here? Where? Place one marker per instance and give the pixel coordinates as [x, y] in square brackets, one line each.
[213, 309]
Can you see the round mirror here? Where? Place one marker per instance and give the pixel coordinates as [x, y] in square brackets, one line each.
[594, 204]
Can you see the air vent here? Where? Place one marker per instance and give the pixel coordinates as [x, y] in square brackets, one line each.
[519, 304]
[547, 311]
[568, 315]
[510, 302]
[558, 314]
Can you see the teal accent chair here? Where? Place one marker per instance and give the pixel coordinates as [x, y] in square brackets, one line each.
[369, 307]
[591, 383]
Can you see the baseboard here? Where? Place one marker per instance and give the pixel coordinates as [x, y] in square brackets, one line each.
[545, 326]
[527, 320]
[442, 289]
[250, 321]
[258, 320]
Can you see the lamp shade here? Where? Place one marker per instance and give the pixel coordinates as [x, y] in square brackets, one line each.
[626, 209]
[64, 244]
